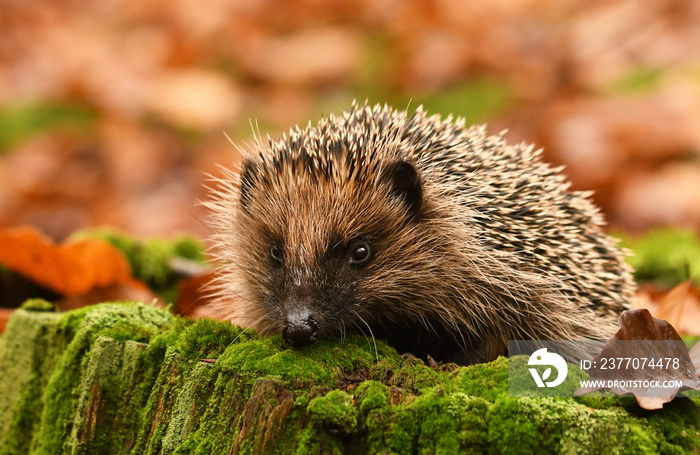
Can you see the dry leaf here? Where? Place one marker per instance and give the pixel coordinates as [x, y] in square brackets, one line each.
[680, 306]
[694, 354]
[70, 269]
[307, 57]
[195, 99]
[671, 306]
[666, 196]
[642, 328]
[192, 294]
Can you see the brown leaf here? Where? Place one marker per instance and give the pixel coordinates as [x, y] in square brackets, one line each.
[641, 325]
[671, 306]
[304, 58]
[195, 99]
[70, 269]
[679, 306]
[694, 354]
[666, 196]
[641, 336]
[192, 295]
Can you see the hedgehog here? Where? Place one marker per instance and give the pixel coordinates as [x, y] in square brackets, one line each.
[435, 237]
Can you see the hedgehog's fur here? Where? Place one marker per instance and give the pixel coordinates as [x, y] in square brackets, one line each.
[474, 242]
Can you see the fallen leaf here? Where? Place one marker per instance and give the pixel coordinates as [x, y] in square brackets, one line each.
[639, 337]
[694, 354]
[192, 295]
[666, 196]
[195, 99]
[287, 59]
[671, 306]
[679, 306]
[70, 269]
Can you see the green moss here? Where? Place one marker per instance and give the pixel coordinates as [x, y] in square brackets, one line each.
[114, 388]
[545, 425]
[333, 417]
[322, 364]
[158, 416]
[334, 411]
[208, 338]
[38, 305]
[642, 79]
[665, 256]
[678, 425]
[371, 396]
[82, 328]
[222, 418]
[438, 422]
[477, 100]
[187, 410]
[520, 382]
[410, 374]
[29, 350]
[486, 380]
[471, 411]
[20, 122]
[607, 399]
[372, 399]
[568, 426]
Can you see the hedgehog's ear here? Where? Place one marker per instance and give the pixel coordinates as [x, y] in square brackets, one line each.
[247, 184]
[405, 184]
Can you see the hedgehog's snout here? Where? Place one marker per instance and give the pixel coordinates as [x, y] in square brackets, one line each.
[300, 327]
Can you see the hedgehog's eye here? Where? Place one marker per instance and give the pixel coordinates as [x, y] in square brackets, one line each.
[359, 253]
[277, 255]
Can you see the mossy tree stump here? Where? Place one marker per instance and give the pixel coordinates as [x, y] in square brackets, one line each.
[129, 379]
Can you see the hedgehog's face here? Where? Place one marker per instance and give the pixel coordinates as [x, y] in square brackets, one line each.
[319, 254]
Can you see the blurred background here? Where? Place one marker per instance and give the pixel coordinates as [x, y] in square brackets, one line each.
[113, 111]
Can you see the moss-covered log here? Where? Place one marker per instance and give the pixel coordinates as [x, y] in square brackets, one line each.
[129, 378]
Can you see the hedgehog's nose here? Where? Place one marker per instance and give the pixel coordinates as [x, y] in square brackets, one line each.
[300, 328]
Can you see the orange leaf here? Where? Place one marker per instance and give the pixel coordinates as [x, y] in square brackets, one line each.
[69, 269]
